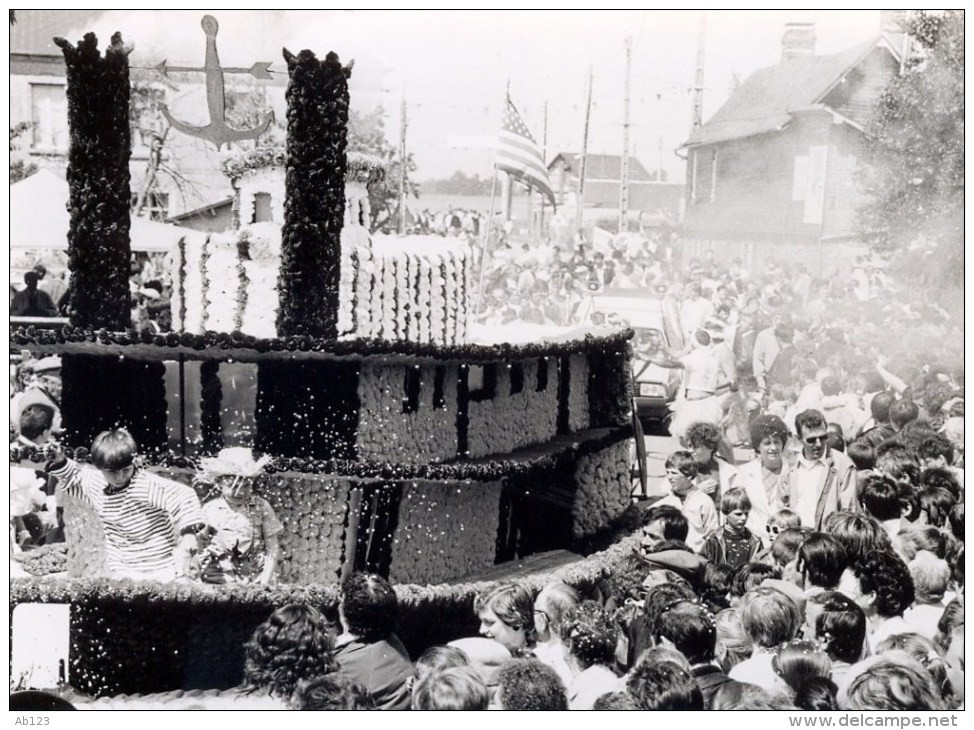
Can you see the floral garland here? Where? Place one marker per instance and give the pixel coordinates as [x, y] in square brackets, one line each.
[235, 164]
[217, 344]
[310, 274]
[182, 281]
[204, 282]
[243, 282]
[98, 178]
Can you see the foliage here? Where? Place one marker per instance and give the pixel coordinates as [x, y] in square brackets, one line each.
[459, 184]
[98, 176]
[914, 180]
[317, 123]
[366, 134]
[20, 169]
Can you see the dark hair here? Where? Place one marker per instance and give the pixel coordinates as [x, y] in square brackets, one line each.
[656, 601]
[734, 499]
[935, 446]
[883, 573]
[879, 406]
[841, 625]
[830, 385]
[663, 686]
[898, 462]
[784, 547]
[527, 684]
[35, 419]
[38, 701]
[857, 533]
[30, 279]
[703, 433]
[879, 496]
[616, 701]
[942, 479]
[761, 427]
[817, 694]
[809, 419]
[822, 560]
[937, 503]
[452, 688]
[113, 450]
[691, 629]
[956, 520]
[902, 412]
[369, 605]
[675, 525]
[332, 692]
[862, 454]
[751, 575]
[835, 438]
[909, 499]
[295, 643]
[798, 660]
[684, 462]
[588, 634]
[716, 586]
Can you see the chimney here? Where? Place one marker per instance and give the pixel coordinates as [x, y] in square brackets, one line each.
[798, 40]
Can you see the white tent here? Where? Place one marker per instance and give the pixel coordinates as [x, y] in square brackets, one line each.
[39, 218]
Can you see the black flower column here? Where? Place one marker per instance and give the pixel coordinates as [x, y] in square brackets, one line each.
[317, 121]
[99, 249]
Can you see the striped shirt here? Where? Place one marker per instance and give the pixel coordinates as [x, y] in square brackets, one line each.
[142, 522]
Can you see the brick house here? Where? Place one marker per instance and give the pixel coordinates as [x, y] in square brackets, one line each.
[772, 174]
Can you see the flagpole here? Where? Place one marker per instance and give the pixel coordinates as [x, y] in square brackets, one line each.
[483, 249]
[490, 217]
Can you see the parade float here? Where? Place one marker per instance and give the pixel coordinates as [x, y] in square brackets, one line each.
[400, 444]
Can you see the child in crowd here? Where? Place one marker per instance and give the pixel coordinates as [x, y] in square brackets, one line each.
[150, 522]
[240, 542]
[697, 507]
[733, 543]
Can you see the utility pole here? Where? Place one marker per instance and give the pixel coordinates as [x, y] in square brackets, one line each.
[698, 78]
[544, 155]
[581, 165]
[402, 166]
[624, 168]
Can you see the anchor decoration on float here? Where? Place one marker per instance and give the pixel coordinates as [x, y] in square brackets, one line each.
[217, 131]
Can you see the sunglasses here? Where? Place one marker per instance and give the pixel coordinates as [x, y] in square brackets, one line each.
[816, 439]
[772, 529]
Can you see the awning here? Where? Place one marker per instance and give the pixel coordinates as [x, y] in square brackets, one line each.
[39, 218]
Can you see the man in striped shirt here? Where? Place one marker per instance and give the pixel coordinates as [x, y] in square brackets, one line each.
[150, 523]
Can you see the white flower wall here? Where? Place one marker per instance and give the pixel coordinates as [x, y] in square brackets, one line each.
[85, 537]
[446, 530]
[506, 422]
[312, 510]
[385, 433]
[604, 488]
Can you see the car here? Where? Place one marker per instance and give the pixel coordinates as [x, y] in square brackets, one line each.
[655, 321]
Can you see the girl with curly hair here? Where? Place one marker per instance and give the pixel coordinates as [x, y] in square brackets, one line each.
[294, 644]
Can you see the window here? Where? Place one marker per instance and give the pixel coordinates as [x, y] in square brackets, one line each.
[482, 382]
[262, 208]
[49, 113]
[155, 207]
[439, 376]
[542, 375]
[411, 384]
[517, 378]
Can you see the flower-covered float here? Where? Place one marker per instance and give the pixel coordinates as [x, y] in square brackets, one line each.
[402, 444]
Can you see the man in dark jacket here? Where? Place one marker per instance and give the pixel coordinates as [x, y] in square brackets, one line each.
[690, 629]
[368, 651]
[32, 302]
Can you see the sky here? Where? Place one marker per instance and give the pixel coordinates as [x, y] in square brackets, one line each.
[452, 68]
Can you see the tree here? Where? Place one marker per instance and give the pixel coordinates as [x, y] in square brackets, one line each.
[19, 169]
[914, 177]
[366, 134]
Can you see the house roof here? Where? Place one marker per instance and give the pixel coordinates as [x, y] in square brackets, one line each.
[765, 101]
[34, 31]
[603, 167]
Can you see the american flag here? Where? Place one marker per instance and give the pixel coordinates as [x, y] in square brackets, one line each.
[519, 155]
